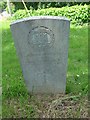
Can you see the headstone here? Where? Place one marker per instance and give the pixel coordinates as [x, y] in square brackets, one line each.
[42, 46]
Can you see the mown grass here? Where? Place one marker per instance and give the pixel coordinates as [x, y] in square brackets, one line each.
[16, 102]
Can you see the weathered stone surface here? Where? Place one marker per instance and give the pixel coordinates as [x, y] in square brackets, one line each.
[42, 46]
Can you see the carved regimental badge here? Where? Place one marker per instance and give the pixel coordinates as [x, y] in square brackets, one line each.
[41, 37]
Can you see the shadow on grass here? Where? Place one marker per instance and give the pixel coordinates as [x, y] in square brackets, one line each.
[77, 84]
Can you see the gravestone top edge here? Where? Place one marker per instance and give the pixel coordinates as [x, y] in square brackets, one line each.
[40, 17]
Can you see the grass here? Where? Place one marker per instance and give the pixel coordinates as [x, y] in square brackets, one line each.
[17, 102]
[0, 71]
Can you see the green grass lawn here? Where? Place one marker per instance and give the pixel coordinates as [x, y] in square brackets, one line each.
[16, 102]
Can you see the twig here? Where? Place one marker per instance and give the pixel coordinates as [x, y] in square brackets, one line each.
[25, 7]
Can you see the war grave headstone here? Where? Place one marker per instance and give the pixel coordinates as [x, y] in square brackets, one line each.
[42, 47]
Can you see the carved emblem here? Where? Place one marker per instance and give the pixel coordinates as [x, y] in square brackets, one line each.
[41, 37]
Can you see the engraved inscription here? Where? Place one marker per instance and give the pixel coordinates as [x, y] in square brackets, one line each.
[41, 37]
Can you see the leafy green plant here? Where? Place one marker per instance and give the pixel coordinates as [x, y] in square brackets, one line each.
[12, 7]
[20, 14]
[2, 5]
[77, 14]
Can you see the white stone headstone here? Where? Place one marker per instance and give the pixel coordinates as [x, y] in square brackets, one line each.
[42, 46]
